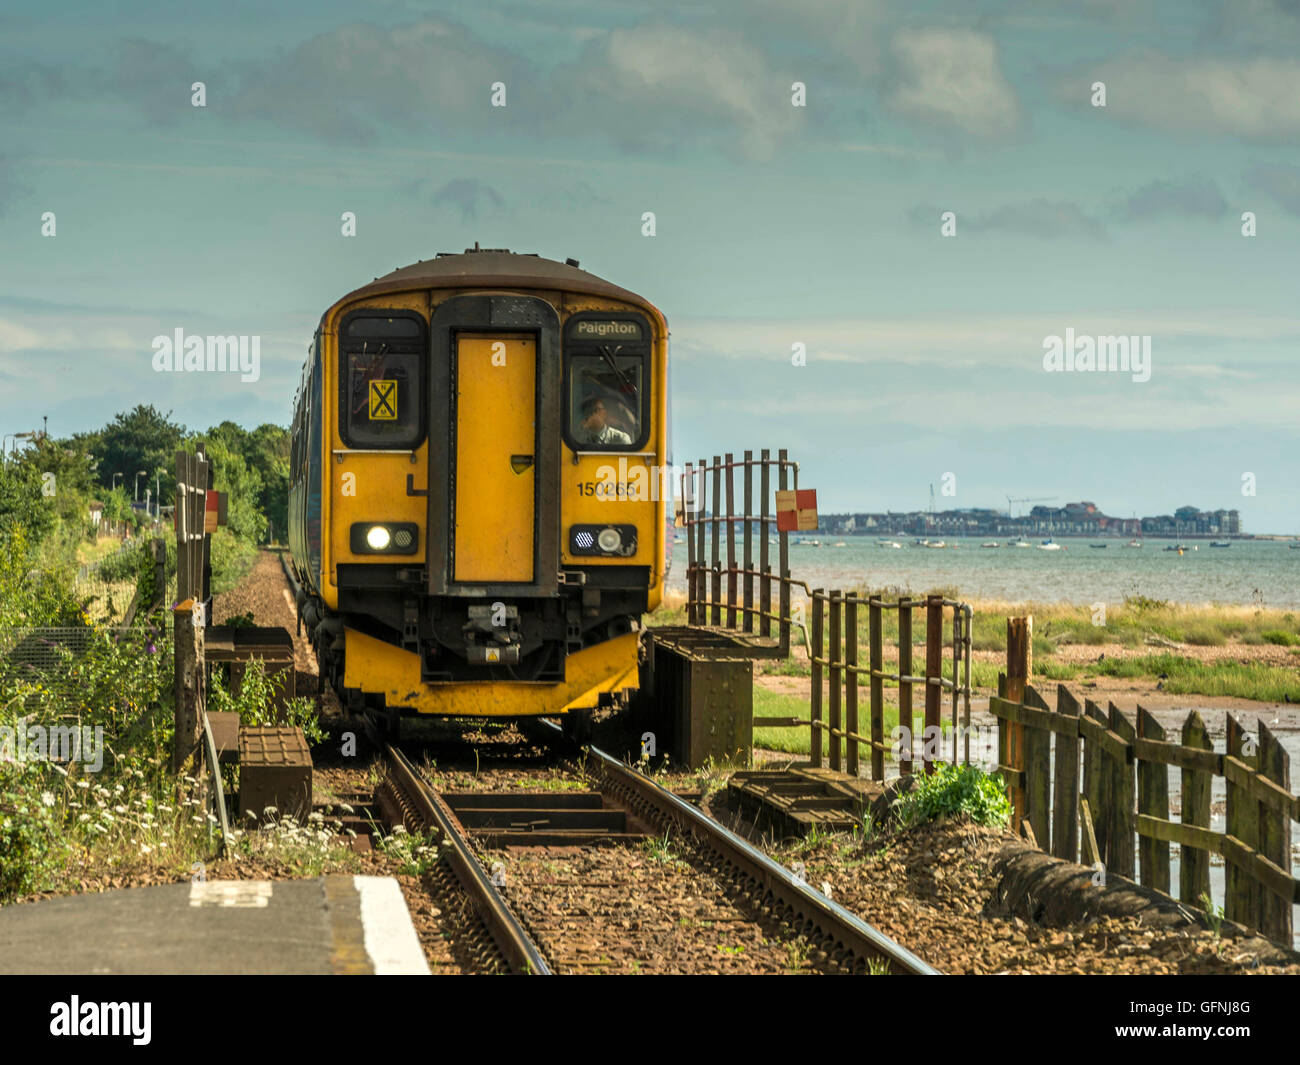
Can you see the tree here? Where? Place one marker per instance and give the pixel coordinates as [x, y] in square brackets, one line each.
[22, 504]
[145, 439]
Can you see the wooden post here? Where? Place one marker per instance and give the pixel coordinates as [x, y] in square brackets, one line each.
[876, 636]
[688, 497]
[188, 693]
[1274, 837]
[715, 592]
[731, 540]
[1194, 862]
[1241, 895]
[905, 720]
[815, 667]
[1096, 782]
[158, 549]
[1065, 798]
[1020, 638]
[783, 562]
[764, 564]
[1153, 800]
[851, 682]
[835, 679]
[1038, 773]
[748, 583]
[1123, 797]
[933, 672]
[701, 566]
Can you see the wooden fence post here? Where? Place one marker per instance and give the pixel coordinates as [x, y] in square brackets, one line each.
[933, 673]
[1153, 800]
[1123, 799]
[158, 549]
[876, 637]
[731, 540]
[1065, 798]
[187, 627]
[1274, 836]
[836, 674]
[851, 682]
[1020, 634]
[1194, 862]
[905, 719]
[1038, 773]
[815, 695]
[1096, 782]
[715, 591]
[1241, 895]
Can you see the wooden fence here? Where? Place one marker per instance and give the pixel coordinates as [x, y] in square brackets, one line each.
[736, 595]
[834, 652]
[1086, 779]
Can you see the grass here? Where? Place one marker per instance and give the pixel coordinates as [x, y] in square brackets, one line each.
[1186, 676]
[1130, 623]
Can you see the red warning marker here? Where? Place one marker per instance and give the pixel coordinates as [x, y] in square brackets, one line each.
[796, 511]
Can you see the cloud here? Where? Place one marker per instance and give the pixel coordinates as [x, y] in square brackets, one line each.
[657, 88]
[468, 195]
[350, 82]
[1046, 219]
[1196, 196]
[954, 78]
[1278, 181]
[1256, 99]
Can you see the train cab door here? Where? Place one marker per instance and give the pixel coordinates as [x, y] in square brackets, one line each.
[494, 512]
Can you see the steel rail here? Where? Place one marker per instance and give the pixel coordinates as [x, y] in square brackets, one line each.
[832, 920]
[514, 943]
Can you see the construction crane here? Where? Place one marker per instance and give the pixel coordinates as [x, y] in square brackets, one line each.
[1027, 499]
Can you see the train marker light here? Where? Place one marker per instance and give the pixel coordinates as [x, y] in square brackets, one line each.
[609, 540]
[377, 537]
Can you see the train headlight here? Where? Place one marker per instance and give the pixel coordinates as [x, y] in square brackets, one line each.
[385, 538]
[619, 540]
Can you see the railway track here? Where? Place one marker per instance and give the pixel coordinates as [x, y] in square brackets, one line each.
[574, 910]
[549, 893]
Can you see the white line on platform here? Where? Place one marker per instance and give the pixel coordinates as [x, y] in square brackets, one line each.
[391, 942]
[288, 599]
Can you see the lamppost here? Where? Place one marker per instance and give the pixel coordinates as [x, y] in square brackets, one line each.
[113, 486]
[142, 473]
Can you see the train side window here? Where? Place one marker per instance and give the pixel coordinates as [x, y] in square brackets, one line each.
[381, 381]
[605, 401]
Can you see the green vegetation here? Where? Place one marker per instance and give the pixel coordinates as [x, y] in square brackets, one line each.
[255, 702]
[953, 791]
[1187, 676]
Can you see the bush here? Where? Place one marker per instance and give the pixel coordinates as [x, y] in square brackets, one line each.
[255, 702]
[953, 791]
[1277, 636]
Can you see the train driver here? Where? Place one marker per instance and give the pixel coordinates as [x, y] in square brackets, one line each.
[595, 425]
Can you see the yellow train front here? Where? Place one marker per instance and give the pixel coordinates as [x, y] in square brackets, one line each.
[477, 492]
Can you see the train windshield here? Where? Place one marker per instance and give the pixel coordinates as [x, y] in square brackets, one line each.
[381, 382]
[605, 400]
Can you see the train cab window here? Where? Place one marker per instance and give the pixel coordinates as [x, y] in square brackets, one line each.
[605, 402]
[607, 360]
[382, 380]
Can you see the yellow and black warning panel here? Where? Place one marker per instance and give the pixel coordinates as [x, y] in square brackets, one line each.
[383, 401]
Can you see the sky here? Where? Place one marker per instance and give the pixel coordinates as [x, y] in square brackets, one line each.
[779, 229]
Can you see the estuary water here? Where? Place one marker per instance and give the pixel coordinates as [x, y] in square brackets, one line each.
[1249, 572]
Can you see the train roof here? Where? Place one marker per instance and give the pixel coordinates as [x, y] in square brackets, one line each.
[495, 268]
